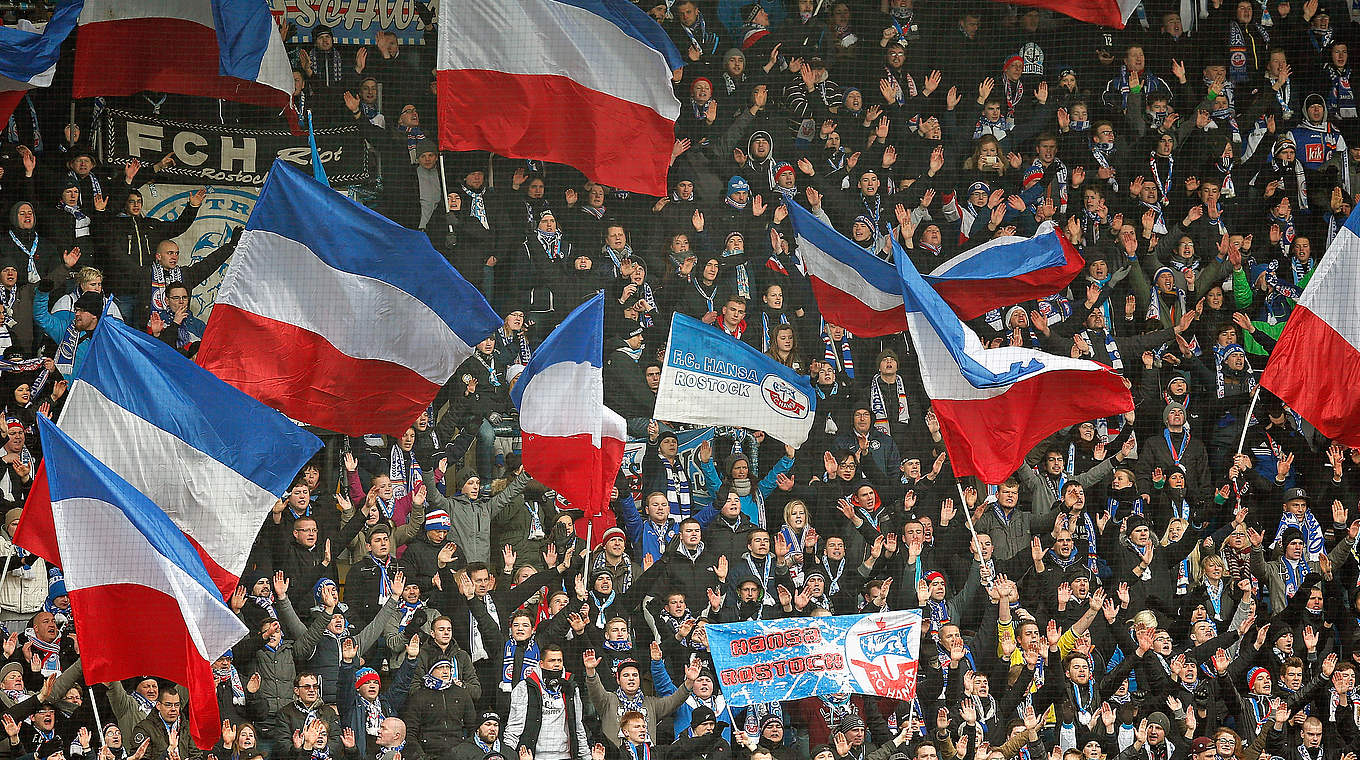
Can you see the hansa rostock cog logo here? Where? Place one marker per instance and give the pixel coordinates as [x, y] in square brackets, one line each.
[784, 398]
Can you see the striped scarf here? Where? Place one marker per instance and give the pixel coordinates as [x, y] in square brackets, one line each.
[1309, 527]
[677, 487]
[838, 354]
[879, 407]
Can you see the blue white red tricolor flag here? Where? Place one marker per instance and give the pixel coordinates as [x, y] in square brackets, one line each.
[854, 288]
[142, 600]
[1007, 270]
[995, 405]
[862, 293]
[337, 316]
[229, 49]
[585, 83]
[573, 443]
[215, 459]
[1315, 367]
[29, 52]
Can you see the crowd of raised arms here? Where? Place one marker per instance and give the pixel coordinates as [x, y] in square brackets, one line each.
[1177, 581]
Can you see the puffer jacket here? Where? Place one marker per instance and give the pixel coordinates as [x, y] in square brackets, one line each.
[319, 652]
[440, 719]
[23, 589]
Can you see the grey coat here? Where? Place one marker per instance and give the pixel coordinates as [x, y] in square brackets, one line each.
[471, 519]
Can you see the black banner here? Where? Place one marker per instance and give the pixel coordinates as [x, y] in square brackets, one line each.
[220, 155]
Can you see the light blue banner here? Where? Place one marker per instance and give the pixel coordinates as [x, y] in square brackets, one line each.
[778, 660]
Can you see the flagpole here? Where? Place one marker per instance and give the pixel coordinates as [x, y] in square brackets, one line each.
[967, 516]
[1247, 421]
[444, 185]
[590, 533]
[98, 724]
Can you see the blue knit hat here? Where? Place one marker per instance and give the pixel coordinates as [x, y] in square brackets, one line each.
[320, 584]
[738, 184]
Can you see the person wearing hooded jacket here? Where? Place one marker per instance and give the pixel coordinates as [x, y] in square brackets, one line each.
[470, 515]
[36, 251]
[440, 712]
[1321, 148]
[321, 648]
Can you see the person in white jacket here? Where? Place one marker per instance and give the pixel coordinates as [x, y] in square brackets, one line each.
[23, 578]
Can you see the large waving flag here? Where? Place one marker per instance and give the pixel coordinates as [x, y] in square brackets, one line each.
[580, 82]
[1315, 367]
[214, 459]
[142, 600]
[1007, 270]
[995, 405]
[710, 378]
[863, 293]
[854, 288]
[29, 52]
[227, 49]
[573, 443]
[337, 316]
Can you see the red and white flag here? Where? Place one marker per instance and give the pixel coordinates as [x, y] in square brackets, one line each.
[1113, 13]
[585, 83]
[229, 49]
[1315, 367]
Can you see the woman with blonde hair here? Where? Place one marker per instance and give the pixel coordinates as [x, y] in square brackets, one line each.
[1215, 590]
[800, 536]
[1187, 571]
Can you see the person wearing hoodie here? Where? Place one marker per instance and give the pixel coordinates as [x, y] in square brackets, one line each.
[37, 252]
[470, 515]
[322, 648]
[1321, 148]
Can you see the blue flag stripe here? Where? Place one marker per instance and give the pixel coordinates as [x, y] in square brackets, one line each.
[151, 380]
[358, 240]
[72, 473]
[580, 338]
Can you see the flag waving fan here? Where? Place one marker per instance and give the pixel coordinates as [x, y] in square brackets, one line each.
[993, 405]
[573, 443]
[352, 325]
[121, 552]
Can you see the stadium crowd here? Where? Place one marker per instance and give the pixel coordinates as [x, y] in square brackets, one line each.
[1178, 581]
